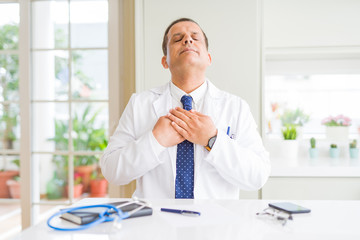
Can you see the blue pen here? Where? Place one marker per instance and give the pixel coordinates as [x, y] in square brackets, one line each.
[183, 212]
[228, 131]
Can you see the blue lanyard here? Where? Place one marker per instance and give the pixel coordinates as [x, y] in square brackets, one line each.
[104, 216]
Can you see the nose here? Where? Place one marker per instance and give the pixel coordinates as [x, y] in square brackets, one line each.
[188, 40]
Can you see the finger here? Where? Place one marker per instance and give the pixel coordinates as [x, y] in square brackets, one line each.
[189, 114]
[179, 114]
[194, 112]
[178, 121]
[180, 130]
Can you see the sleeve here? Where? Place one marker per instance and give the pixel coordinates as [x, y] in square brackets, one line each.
[242, 161]
[128, 157]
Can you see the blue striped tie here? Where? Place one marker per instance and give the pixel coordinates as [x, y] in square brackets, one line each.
[184, 182]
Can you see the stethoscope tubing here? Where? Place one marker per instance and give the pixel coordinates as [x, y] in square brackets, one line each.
[102, 217]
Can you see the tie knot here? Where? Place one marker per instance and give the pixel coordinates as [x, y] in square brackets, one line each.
[187, 102]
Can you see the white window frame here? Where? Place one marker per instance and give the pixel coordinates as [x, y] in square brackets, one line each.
[28, 201]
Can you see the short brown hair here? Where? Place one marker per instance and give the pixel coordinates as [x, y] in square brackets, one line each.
[165, 39]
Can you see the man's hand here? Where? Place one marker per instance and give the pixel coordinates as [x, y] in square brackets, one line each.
[165, 134]
[193, 126]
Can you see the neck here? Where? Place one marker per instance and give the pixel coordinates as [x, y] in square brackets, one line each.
[188, 82]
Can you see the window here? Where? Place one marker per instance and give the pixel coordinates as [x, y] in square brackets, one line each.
[69, 103]
[69, 95]
[304, 92]
[9, 117]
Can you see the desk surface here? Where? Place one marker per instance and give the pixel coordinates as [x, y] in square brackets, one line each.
[220, 219]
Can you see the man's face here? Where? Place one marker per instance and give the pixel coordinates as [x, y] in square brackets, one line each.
[186, 47]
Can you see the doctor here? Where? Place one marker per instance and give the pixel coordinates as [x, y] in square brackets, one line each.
[187, 138]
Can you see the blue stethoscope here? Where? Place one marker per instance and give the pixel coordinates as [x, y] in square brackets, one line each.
[106, 216]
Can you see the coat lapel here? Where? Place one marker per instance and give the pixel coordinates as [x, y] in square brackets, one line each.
[211, 107]
[161, 106]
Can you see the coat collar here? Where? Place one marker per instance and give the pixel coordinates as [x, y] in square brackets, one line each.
[162, 104]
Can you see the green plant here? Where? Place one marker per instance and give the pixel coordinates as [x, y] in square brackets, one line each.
[289, 132]
[86, 136]
[9, 84]
[313, 142]
[353, 144]
[333, 145]
[295, 117]
[97, 174]
[17, 163]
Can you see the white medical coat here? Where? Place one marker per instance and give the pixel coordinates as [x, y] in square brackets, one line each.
[231, 165]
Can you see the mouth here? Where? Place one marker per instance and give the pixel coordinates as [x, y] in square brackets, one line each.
[186, 50]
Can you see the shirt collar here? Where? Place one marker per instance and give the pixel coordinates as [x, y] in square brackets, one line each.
[196, 95]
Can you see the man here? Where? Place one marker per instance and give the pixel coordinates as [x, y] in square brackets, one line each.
[186, 139]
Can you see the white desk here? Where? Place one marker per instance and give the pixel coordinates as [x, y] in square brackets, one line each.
[220, 219]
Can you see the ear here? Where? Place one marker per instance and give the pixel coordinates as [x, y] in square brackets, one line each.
[209, 59]
[164, 62]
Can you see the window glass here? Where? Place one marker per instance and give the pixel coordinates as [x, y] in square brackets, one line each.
[50, 126]
[9, 77]
[50, 75]
[52, 176]
[50, 20]
[9, 126]
[90, 124]
[88, 20]
[9, 26]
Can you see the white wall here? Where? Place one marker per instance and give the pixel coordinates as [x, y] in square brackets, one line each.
[309, 23]
[234, 43]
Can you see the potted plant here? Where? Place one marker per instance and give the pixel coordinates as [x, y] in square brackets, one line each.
[78, 186]
[334, 151]
[6, 175]
[290, 144]
[313, 151]
[98, 184]
[14, 183]
[296, 118]
[337, 128]
[354, 151]
[87, 137]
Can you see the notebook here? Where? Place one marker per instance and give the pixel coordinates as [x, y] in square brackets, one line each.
[85, 216]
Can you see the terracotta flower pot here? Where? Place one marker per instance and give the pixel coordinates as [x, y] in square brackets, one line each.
[4, 177]
[14, 188]
[98, 188]
[78, 190]
[85, 172]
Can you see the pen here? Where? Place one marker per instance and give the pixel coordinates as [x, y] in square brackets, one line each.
[183, 212]
[228, 131]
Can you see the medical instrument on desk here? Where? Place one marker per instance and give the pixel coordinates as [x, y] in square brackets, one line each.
[110, 213]
[183, 212]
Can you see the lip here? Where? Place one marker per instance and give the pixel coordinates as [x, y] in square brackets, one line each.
[188, 50]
